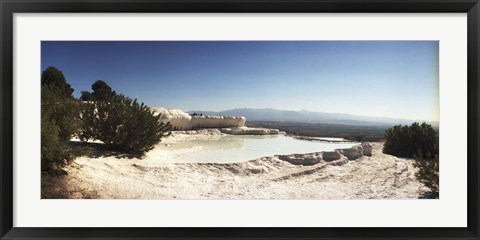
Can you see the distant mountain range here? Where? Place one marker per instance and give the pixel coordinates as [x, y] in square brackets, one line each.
[304, 116]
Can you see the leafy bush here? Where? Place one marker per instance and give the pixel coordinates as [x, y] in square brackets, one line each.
[419, 142]
[55, 79]
[428, 169]
[101, 91]
[61, 111]
[59, 119]
[51, 150]
[123, 124]
[86, 96]
[410, 141]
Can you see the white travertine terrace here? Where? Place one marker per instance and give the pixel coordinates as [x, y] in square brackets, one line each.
[177, 118]
[183, 121]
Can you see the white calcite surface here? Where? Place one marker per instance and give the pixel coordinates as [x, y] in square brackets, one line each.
[183, 121]
[250, 131]
[307, 159]
[198, 122]
[379, 176]
[177, 118]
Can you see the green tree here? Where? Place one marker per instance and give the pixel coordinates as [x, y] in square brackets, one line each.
[59, 118]
[86, 96]
[419, 141]
[428, 169]
[428, 172]
[52, 152]
[55, 79]
[61, 111]
[101, 91]
[410, 141]
[123, 124]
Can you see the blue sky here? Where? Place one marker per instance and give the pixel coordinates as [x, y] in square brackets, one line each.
[396, 79]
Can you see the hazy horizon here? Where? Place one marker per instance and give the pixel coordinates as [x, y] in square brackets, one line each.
[259, 108]
[394, 79]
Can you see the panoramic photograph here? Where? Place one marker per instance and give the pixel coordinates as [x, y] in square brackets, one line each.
[206, 120]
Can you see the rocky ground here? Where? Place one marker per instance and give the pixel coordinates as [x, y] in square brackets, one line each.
[378, 176]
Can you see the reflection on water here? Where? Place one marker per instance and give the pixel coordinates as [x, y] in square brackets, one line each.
[209, 143]
[240, 148]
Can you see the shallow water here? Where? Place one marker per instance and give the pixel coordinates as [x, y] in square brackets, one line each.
[241, 148]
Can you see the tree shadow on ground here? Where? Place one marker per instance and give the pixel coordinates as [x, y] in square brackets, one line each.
[98, 150]
[429, 195]
[56, 186]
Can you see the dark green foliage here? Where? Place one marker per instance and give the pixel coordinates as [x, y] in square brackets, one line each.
[428, 169]
[61, 111]
[123, 124]
[419, 142]
[59, 119]
[51, 148]
[54, 78]
[101, 91]
[86, 96]
[410, 141]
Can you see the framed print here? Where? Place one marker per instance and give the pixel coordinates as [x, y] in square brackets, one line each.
[235, 119]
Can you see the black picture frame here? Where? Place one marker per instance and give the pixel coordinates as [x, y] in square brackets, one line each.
[9, 7]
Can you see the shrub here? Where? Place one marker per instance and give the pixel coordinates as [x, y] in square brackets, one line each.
[51, 149]
[86, 96]
[410, 141]
[428, 169]
[101, 91]
[419, 142]
[61, 111]
[59, 119]
[123, 124]
[54, 78]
